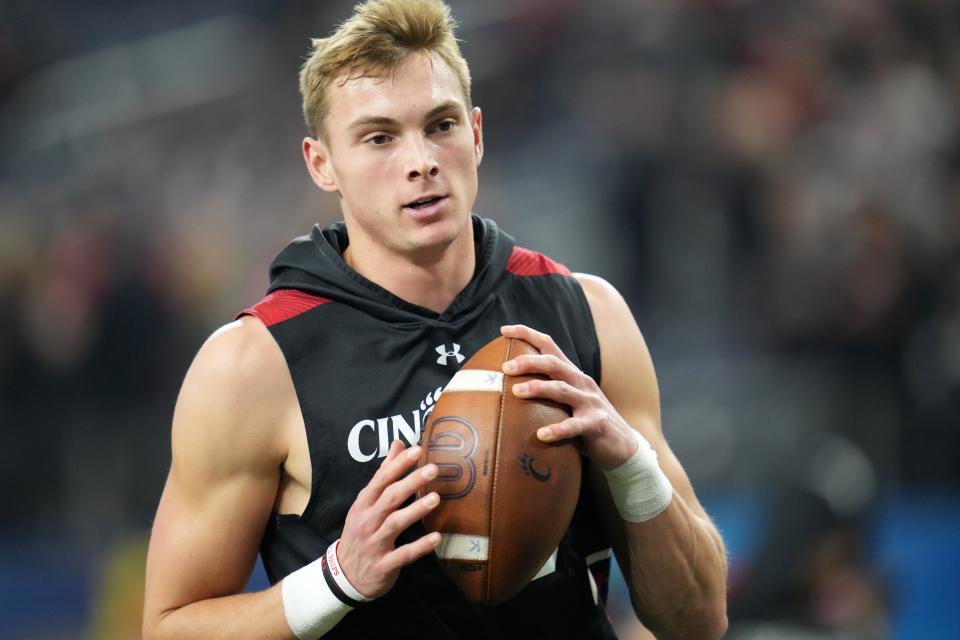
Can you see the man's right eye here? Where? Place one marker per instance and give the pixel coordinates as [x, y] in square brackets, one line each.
[378, 140]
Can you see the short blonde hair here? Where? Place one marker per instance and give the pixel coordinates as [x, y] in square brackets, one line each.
[374, 41]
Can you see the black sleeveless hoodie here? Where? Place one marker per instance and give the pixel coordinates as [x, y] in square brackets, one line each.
[367, 368]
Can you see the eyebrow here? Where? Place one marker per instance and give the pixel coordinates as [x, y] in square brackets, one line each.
[443, 107]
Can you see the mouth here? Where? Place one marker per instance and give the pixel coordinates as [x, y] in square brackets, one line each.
[424, 203]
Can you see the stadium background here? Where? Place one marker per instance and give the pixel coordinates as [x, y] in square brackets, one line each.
[773, 185]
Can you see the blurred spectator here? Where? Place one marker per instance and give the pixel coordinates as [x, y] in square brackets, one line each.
[774, 185]
[810, 577]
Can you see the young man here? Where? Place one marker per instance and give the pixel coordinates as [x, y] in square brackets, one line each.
[289, 433]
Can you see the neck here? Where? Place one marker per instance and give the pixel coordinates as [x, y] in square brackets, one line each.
[430, 278]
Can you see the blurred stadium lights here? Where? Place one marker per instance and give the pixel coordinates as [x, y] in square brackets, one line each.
[774, 186]
[128, 83]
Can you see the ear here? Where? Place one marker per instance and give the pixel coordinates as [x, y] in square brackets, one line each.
[476, 124]
[316, 154]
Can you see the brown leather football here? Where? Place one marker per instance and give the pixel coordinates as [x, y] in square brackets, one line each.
[506, 498]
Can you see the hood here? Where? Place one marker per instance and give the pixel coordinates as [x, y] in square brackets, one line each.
[314, 263]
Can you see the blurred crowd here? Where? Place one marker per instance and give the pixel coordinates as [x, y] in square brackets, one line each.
[773, 185]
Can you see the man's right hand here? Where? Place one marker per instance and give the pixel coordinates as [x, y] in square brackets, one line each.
[368, 555]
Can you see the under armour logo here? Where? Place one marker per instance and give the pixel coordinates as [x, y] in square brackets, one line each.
[444, 354]
[474, 546]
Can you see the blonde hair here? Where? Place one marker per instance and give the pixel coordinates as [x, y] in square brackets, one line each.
[374, 41]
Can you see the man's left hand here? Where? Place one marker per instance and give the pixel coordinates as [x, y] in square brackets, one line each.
[606, 437]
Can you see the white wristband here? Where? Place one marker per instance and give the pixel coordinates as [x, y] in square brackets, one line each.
[333, 563]
[316, 597]
[639, 487]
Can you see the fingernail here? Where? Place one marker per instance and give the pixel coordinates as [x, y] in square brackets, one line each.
[510, 366]
[434, 538]
[521, 389]
[430, 471]
[506, 327]
[413, 451]
[544, 433]
[431, 500]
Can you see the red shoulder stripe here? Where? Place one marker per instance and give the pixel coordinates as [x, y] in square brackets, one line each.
[524, 262]
[281, 305]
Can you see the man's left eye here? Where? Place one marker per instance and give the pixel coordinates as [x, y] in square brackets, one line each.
[445, 125]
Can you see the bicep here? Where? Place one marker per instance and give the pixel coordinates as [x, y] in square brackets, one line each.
[205, 548]
[219, 493]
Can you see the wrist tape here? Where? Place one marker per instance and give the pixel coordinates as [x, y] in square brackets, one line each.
[639, 487]
[317, 596]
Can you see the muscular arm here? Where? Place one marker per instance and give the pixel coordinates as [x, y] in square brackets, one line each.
[227, 446]
[674, 562]
[235, 420]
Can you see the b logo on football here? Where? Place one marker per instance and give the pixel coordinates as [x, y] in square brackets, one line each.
[452, 447]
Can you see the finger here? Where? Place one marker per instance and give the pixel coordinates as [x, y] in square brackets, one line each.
[556, 390]
[548, 365]
[411, 552]
[538, 339]
[392, 468]
[398, 492]
[570, 428]
[396, 448]
[401, 519]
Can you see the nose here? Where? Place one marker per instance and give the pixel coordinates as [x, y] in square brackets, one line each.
[421, 162]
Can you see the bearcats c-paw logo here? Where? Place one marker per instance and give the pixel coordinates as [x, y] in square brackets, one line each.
[529, 469]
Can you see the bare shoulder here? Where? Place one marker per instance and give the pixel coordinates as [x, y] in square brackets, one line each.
[611, 314]
[595, 285]
[235, 394]
[605, 301]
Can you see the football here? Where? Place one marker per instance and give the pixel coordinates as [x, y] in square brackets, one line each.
[506, 498]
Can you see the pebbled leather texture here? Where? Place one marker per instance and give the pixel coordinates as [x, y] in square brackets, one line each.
[497, 480]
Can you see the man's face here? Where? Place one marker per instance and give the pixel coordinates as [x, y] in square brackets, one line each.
[402, 151]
